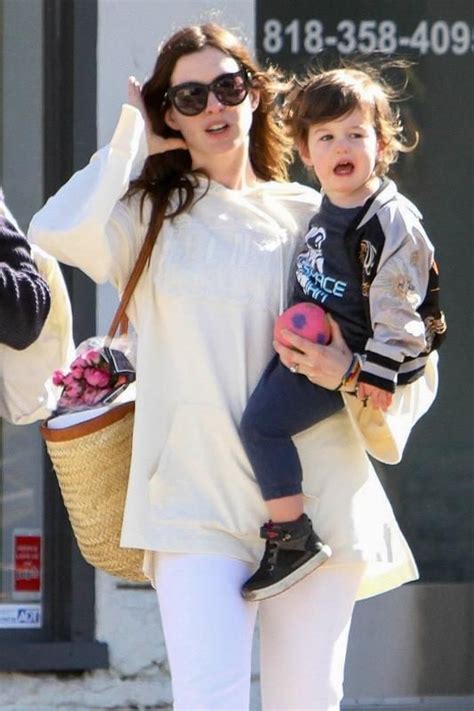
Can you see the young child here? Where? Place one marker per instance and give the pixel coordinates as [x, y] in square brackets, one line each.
[368, 262]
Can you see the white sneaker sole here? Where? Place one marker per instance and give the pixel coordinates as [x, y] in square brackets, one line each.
[290, 580]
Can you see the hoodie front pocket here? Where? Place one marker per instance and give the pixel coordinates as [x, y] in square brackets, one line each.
[203, 476]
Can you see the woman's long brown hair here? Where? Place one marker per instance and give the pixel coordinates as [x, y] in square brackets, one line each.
[170, 173]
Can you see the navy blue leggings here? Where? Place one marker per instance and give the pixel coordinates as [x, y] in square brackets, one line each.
[283, 404]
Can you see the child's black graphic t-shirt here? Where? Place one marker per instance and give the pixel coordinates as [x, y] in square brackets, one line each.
[326, 275]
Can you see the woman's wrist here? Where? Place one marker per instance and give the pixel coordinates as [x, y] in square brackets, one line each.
[349, 379]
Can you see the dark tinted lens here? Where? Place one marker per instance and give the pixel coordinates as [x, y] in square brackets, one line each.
[231, 89]
[190, 98]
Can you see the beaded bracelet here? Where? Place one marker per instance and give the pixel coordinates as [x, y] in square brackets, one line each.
[352, 373]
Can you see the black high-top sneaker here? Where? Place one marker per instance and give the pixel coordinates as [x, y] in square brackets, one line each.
[292, 551]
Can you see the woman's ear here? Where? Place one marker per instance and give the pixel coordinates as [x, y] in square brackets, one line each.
[254, 98]
[170, 119]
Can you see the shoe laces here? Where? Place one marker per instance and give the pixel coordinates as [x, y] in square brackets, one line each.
[270, 555]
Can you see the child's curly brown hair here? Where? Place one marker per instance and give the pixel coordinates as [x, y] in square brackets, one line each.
[330, 94]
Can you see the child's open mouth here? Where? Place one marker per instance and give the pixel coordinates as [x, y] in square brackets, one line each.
[344, 168]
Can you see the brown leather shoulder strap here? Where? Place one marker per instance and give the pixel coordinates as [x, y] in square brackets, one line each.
[120, 318]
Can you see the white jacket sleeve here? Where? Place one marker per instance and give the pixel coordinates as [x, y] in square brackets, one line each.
[26, 391]
[85, 224]
[395, 295]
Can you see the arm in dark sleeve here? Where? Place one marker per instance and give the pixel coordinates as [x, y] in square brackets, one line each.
[24, 295]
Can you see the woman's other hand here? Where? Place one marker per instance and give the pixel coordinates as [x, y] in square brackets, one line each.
[322, 365]
[156, 144]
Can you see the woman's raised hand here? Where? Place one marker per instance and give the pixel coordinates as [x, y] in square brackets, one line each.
[323, 365]
[156, 144]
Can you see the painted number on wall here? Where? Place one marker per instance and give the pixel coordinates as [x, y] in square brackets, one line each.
[438, 38]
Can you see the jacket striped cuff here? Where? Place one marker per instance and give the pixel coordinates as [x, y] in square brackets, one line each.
[380, 371]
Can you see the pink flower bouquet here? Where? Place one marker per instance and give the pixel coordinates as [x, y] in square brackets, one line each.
[96, 377]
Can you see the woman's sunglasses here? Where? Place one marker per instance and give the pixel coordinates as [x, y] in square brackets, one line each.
[191, 97]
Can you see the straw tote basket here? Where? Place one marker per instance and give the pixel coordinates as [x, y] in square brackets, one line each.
[92, 463]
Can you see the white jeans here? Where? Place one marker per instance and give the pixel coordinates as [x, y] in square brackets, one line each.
[208, 631]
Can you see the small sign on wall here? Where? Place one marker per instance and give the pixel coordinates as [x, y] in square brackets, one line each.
[20, 616]
[26, 579]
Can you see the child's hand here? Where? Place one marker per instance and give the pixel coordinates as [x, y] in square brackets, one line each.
[156, 144]
[379, 399]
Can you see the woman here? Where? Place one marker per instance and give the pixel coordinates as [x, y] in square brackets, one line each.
[215, 160]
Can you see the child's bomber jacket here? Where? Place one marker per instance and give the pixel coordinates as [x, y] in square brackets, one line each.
[379, 280]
